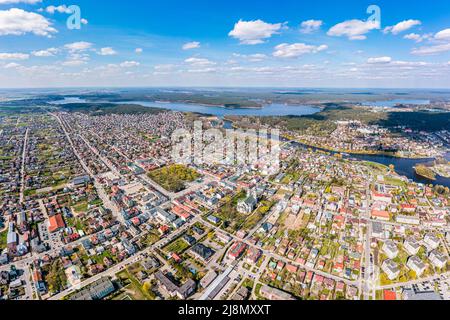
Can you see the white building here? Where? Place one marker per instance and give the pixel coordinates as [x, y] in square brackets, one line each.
[164, 216]
[417, 265]
[414, 220]
[438, 259]
[391, 249]
[431, 241]
[248, 205]
[412, 246]
[391, 269]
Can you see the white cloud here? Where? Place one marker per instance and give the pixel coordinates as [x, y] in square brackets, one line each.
[14, 56]
[402, 26]
[204, 70]
[379, 60]
[164, 67]
[310, 26]
[78, 46]
[443, 35]
[442, 44]
[353, 29]
[294, 50]
[61, 9]
[256, 57]
[199, 62]
[73, 63]
[409, 64]
[191, 45]
[50, 52]
[19, 22]
[139, 50]
[418, 37]
[254, 32]
[20, 1]
[12, 65]
[431, 50]
[129, 64]
[84, 21]
[413, 36]
[108, 51]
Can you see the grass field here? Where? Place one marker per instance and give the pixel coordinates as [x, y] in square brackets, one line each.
[173, 178]
[178, 246]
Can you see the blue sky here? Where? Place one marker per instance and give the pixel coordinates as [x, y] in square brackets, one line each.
[285, 43]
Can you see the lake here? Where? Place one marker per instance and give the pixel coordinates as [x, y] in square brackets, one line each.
[274, 109]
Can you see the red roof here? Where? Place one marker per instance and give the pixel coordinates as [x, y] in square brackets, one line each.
[291, 268]
[389, 295]
[380, 214]
[56, 223]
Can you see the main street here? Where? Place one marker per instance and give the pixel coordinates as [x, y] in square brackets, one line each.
[22, 169]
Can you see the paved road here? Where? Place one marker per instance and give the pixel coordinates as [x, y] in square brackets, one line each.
[133, 259]
[100, 190]
[366, 283]
[404, 284]
[284, 259]
[22, 169]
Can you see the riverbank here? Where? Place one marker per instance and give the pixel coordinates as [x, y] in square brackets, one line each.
[353, 152]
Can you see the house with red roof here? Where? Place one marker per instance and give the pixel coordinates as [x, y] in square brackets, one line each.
[56, 223]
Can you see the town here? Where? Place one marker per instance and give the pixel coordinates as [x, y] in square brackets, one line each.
[94, 207]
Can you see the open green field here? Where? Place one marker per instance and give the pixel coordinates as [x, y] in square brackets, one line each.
[178, 246]
[174, 177]
[3, 239]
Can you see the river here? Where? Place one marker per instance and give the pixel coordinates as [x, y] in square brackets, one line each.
[404, 167]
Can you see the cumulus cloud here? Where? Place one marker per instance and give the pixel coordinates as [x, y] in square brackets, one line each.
[164, 67]
[443, 35]
[14, 56]
[78, 46]
[73, 63]
[19, 22]
[139, 50]
[203, 70]
[418, 37]
[431, 50]
[379, 60]
[294, 50]
[255, 57]
[129, 64]
[50, 52]
[191, 45]
[353, 29]
[199, 62]
[108, 51]
[61, 9]
[442, 44]
[12, 65]
[402, 26]
[310, 26]
[254, 32]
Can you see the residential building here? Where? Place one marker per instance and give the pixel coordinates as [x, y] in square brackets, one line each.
[391, 269]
